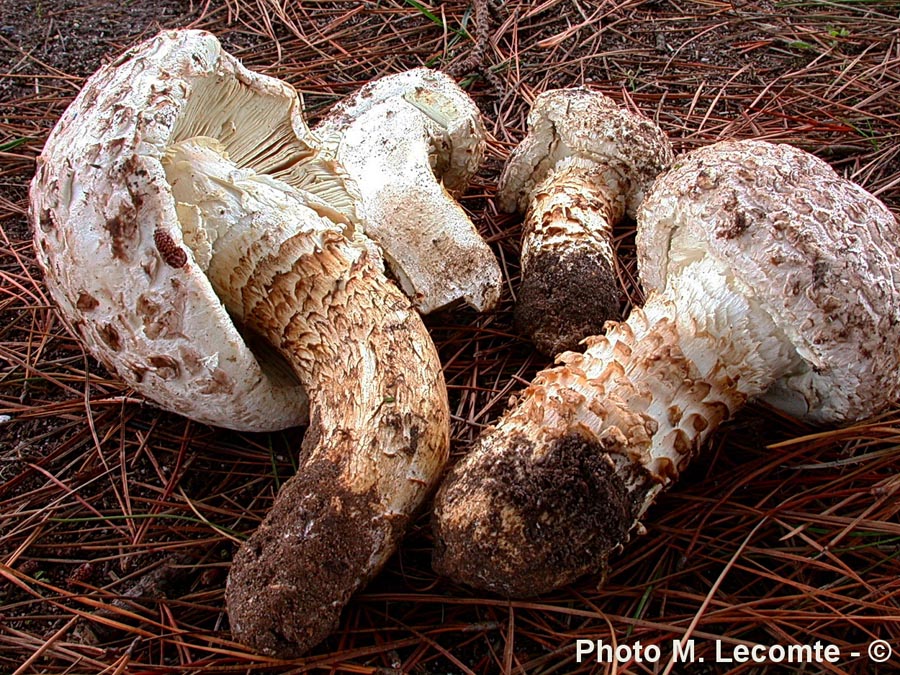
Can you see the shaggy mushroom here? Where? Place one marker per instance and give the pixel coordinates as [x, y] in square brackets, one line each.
[584, 163]
[160, 202]
[771, 276]
[379, 431]
[407, 139]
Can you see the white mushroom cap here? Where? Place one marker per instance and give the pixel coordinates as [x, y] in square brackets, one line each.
[816, 251]
[456, 129]
[407, 139]
[582, 123]
[110, 242]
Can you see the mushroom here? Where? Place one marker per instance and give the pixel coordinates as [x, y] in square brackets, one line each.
[406, 139]
[584, 164]
[170, 197]
[770, 276]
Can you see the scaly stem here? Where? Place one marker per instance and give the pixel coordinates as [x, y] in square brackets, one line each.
[379, 427]
[569, 283]
[561, 481]
[375, 446]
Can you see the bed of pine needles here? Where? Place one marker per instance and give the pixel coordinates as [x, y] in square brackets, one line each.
[118, 521]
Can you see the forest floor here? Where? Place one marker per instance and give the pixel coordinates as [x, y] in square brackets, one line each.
[118, 521]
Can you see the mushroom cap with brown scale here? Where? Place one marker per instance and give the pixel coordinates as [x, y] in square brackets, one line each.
[582, 123]
[114, 255]
[817, 251]
[121, 267]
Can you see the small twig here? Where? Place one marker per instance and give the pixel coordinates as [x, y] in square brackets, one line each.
[475, 61]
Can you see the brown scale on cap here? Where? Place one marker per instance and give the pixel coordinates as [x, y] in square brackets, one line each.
[768, 276]
[584, 164]
[172, 254]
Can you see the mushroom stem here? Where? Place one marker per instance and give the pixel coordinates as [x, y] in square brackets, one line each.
[406, 139]
[569, 283]
[584, 163]
[419, 224]
[561, 481]
[379, 428]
